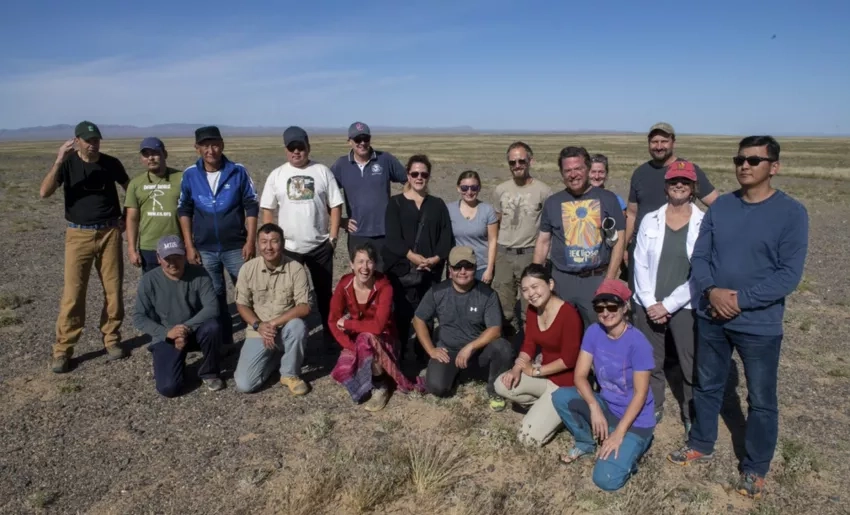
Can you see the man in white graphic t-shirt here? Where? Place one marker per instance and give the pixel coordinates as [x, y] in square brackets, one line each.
[309, 204]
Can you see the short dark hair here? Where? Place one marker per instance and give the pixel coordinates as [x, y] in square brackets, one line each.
[366, 247]
[469, 174]
[537, 271]
[419, 158]
[761, 141]
[600, 158]
[520, 144]
[270, 228]
[567, 152]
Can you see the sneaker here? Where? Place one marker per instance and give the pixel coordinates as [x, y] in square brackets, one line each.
[686, 455]
[295, 384]
[379, 399]
[115, 352]
[60, 364]
[214, 384]
[497, 404]
[751, 485]
[658, 416]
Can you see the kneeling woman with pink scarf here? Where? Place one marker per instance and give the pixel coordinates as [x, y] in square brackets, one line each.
[362, 323]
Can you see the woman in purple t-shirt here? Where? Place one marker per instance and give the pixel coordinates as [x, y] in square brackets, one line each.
[621, 417]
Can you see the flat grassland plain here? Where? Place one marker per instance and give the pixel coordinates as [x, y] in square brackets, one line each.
[101, 440]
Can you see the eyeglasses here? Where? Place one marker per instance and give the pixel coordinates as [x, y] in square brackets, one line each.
[296, 146]
[466, 187]
[417, 175]
[463, 266]
[679, 181]
[514, 162]
[610, 308]
[751, 160]
[361, 139]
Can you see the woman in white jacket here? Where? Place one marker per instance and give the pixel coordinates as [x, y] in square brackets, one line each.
[662, 264]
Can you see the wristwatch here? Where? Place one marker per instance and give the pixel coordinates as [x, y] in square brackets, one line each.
[536, 371]
[706, 292]
[256, 325]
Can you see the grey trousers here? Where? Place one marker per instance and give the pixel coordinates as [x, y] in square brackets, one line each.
[682, 329]
[256, 362]
[578, 291]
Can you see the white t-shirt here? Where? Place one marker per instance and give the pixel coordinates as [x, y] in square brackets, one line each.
[304, 195]
[212, 178]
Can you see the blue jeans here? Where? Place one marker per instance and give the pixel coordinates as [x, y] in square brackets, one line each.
[612, 473]
[256, 362]
[149, 261]
[170, 363]
[760, 356]
[216, 263]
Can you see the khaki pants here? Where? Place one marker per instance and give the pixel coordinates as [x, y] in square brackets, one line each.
[84, 248]
[509, 267]
[542, 421]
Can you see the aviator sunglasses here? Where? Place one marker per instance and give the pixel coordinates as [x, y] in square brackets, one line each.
[514, 162]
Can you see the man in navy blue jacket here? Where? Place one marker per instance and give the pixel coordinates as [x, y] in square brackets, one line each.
[748, 257]
[217, 197]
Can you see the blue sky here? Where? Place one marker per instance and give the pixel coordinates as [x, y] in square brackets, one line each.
[707, 67]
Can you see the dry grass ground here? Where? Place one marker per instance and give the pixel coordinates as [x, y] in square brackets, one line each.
[100, 440]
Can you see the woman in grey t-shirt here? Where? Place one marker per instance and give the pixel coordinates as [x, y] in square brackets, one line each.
[474, 224]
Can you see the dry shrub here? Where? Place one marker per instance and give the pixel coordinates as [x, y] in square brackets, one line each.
[434, 465]
[373, 478]
[506, 499]
[309, 489]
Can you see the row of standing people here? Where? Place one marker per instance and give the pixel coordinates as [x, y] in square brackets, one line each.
[565, 232]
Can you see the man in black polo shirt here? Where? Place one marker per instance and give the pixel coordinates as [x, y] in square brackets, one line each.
[646, 190]
[92, 238]
[365, 175]
[470, 331]
[571, 227]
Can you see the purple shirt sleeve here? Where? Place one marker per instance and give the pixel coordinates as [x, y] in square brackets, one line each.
[641, 352]
[588, 343]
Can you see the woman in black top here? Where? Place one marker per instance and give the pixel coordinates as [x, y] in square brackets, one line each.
[418, 240]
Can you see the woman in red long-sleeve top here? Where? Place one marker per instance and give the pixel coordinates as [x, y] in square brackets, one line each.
[555, 327]
[361, 322]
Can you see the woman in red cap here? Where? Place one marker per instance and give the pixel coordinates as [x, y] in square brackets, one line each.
[621, 416]
[662, 266]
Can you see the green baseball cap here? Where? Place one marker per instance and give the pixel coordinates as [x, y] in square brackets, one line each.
[87, 130]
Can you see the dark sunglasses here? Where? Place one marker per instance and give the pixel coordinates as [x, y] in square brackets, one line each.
[361, 139]
[465, 187]
[610, 308]
[297, 147]
[679, 180]
[751, 160]
[417, 175]
[514, 162]
[463, 266]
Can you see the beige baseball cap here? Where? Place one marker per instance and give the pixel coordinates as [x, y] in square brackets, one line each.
[459, 254]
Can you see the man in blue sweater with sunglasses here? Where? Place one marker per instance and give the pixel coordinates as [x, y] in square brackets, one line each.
[218, 210]
[748, 257]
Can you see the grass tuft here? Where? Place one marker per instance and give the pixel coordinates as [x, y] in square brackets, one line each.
[799, 460]
[319, 427]
[13, 301]
[434, 466]
[309, 489]
[373, 478]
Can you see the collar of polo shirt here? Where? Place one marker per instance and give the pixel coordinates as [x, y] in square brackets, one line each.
[371, 158]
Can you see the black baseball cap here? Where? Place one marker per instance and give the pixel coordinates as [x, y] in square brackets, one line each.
[208, 132]
[295, 134]
[87, 130]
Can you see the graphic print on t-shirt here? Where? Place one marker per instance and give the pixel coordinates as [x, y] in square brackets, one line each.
[611, 372]
[516, 207]
[582, 222]
[300, 187]
[155, 191]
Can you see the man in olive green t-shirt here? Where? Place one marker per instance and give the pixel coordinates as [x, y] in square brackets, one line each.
[518, 203]
[151, 203]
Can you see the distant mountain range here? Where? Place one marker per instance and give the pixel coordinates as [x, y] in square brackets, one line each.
[187, 130]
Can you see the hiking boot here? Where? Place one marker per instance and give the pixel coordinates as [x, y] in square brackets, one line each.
[214, 384]
[115, 352]
[295, 384]
[687, 455]
[60, 364]
[379, 399]
[751, 485]
[497, 404]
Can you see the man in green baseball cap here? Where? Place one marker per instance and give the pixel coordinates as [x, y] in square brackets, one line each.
[92, 239]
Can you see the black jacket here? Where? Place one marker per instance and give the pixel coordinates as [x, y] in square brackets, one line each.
[401, 222]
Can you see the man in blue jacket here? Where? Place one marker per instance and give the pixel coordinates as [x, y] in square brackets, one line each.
[217, 196]
[748, 257]
[364, 175]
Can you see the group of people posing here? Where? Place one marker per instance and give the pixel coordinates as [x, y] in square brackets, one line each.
[525, 290]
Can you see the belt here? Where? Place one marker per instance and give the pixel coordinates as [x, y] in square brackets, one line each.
[518, 251]
[104, 225]
[591, 273]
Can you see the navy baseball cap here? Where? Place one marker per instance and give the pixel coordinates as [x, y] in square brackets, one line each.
[358, 129]
[170, 246]
[152, 143]
[295, 135]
